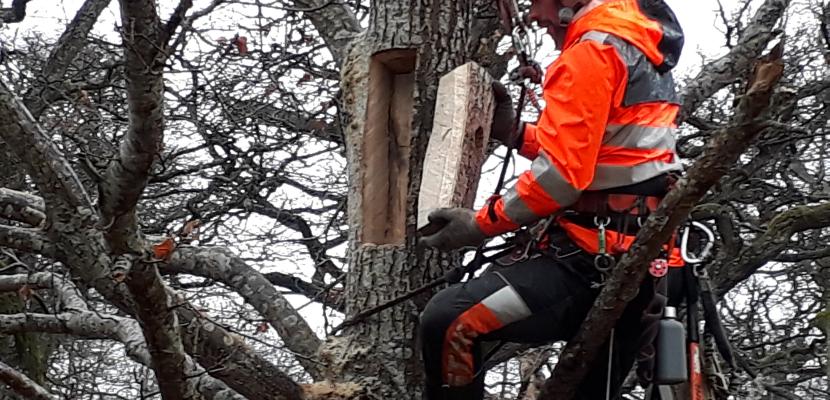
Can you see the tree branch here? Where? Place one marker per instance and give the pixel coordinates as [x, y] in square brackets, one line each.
[28, 240]
[223, 266]
[76, 319]
[14, 14]
[322, 262]
[22, 385]
[160, 325]
[728, 69]
[69, 45]
[333, 299]
[93, 325]
[144, 55]
[67, 294]
[21, 207]
[47, 166]
[625, 279]
[766, 247]
[334, 21]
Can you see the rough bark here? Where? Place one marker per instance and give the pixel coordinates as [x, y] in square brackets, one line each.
[160, 325]
[75, 319]
[223, 266]
[334, 21]
[93, 325]
[22, 207]
[14, 14]
[624, 282]
[381, 352]
[22, 385]
[771, 243]
[49, 170]
[66, 292]
[28, 240]
[822, 321]
[144, 56]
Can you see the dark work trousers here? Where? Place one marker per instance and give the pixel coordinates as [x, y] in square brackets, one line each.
[537, 301]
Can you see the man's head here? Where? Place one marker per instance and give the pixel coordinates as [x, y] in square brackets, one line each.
[554, 16]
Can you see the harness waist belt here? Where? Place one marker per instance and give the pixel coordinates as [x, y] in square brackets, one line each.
[600, 204]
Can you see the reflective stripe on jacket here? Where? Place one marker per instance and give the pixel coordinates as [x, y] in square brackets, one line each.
[608, 119]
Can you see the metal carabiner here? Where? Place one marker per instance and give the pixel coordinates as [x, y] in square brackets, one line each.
[707, 248]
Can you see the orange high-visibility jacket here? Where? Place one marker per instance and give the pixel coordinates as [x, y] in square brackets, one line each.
[610, 107]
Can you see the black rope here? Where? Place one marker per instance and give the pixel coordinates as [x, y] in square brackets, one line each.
[454, 275]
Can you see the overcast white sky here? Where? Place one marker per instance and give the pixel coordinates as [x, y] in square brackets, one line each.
[696, 16]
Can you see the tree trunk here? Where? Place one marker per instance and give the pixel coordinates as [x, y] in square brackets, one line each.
[389, 78]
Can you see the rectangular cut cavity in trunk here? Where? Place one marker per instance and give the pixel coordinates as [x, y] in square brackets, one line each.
[385, 153]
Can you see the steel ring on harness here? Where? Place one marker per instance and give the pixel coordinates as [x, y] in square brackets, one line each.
[684, 243]
[605, 222]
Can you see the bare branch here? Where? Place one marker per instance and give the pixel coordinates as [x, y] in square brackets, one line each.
[144, 55]
[22, 207]
[160, 325]
[51, 172]
[48, 86]
[728, 69]
[322, 262]
[223, 266]
[93, 325]
[22, 385]
[775, 240]
[331, 297]
[28, 240]
[625, 280]
[67, 294]
[334, 21]
[79, 321]
[14, 14]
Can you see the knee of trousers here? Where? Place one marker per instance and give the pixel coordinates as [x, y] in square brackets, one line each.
[437, 316]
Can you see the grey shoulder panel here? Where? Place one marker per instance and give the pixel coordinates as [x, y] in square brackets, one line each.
[645, 84]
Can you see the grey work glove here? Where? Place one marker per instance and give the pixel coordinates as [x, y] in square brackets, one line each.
[458, 229]
[504, 118]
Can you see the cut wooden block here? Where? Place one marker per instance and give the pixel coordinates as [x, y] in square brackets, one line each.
[457, 146]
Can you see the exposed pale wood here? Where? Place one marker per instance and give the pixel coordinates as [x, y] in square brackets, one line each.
[385, 161]
[456, 150]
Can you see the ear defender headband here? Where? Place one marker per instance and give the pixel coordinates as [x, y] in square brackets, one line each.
[566, 15]
[567, 11]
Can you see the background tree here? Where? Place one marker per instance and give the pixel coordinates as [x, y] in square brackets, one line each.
[181, 191]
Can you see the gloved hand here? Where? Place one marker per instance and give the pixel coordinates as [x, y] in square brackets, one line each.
[504, 117]
[459, 229]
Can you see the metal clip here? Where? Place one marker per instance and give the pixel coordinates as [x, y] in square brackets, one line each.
[707, 248]
[603, 261]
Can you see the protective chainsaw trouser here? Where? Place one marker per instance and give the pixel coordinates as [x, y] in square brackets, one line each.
[537, 301]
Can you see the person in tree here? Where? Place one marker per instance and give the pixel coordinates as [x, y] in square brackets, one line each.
[603, 154]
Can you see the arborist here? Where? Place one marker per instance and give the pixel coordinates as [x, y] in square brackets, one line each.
[603, 156]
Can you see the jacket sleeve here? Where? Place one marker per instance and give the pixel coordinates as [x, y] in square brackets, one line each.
[579, 90]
